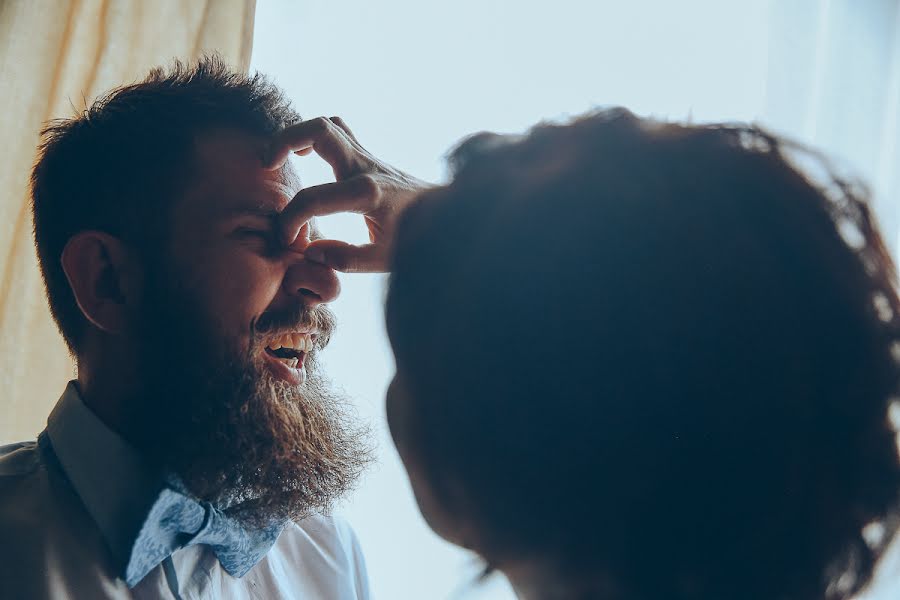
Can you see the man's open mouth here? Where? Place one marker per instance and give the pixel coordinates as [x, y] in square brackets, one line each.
[287, 352]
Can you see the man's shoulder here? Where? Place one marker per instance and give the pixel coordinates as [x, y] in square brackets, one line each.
[34, 498]
[25, 512]
[22, 482]
[17, 460]
[44, 531]
[26, 488]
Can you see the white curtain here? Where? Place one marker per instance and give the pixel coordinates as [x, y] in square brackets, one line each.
[55, 56]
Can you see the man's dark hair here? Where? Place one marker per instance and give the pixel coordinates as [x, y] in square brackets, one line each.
[118, 166]
[657, 357]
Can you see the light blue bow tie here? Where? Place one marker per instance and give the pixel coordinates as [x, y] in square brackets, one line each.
[177, 520]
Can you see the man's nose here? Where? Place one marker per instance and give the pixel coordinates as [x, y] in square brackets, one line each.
[311, 282]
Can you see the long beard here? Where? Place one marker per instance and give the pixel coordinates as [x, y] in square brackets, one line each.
[256, 447]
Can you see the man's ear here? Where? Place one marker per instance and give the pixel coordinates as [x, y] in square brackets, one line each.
[103, 277]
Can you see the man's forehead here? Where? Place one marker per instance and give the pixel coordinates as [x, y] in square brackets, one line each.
[229, 175]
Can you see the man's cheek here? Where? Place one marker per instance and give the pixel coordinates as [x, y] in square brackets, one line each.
[241, 303]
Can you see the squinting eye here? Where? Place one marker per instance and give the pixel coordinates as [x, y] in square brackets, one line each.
[264, 237]
[259, 233]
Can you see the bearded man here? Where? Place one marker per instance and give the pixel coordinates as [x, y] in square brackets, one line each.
[200, 449]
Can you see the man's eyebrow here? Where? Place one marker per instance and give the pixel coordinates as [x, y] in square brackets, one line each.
[272, 215]
[263, 212]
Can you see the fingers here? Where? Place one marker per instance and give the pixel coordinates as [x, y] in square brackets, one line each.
[321, 135]
[358, 194]
[343, 125]
[348, 258]
[302, 239]
[354, 191]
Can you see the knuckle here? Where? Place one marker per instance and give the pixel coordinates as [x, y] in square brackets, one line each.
[368, 186]
[320, 124]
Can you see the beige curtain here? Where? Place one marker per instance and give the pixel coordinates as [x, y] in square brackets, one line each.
[55, 56]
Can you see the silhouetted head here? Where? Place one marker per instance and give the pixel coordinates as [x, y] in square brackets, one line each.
[647, 360]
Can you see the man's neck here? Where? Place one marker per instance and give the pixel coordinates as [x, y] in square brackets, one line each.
[108, 391]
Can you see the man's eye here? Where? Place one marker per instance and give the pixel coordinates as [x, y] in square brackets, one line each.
[264, 239]
[262, 234]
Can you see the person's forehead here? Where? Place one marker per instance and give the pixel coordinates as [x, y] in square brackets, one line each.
[229, 176]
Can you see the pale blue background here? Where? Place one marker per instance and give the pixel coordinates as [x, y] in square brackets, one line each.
[411, 77]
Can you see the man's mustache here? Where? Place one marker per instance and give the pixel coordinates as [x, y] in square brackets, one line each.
[320, 319]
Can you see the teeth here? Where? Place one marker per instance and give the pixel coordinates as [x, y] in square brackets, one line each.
[293, 363]
[301, 342]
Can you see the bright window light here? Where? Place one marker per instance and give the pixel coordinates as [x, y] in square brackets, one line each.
[411, 78]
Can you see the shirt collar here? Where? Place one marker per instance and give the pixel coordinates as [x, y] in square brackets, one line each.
[115, 484]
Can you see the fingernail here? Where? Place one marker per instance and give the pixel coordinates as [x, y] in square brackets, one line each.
[316, 255]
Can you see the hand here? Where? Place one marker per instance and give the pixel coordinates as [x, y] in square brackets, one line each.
[363, 185]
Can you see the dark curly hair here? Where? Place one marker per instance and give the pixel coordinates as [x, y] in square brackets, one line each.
[118, 166]
[656, 358]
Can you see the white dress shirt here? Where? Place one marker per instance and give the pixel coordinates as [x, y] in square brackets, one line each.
[72, 502]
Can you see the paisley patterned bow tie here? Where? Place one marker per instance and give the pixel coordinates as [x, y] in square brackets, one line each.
[177, 521]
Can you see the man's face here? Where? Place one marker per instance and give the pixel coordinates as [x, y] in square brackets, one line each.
[224, 239]
[233, 401]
